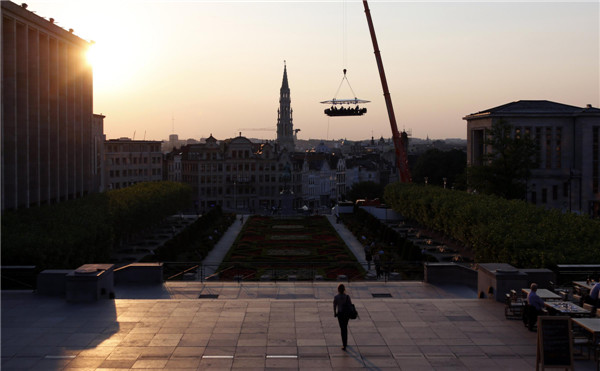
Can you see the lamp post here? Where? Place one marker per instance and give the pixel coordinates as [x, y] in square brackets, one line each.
[445, 180]
[426, 180]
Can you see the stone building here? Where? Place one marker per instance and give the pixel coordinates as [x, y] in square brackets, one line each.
[567, 138]
[238, 175]
[128, 162]
[47, 112]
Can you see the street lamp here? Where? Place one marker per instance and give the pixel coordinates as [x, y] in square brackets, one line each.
[426, 180]
[445, 180]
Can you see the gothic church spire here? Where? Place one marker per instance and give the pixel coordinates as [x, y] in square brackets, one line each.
[285, 127]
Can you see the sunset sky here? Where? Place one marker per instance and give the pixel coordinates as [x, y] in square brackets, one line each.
[217, 66]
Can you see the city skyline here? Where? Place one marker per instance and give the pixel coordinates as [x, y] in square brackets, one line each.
[199, 68]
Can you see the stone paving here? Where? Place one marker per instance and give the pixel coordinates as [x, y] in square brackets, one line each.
[265, 325]
[415, 329]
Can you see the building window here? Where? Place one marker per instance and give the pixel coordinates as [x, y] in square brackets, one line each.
[558, 148]
[538, 144]
[544, 195]
[477, 149]
[595, 158]
[548, 148]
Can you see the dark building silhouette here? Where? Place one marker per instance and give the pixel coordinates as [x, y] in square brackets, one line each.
[285, 126]
[48, 142]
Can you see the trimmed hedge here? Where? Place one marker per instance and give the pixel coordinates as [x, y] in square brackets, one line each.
[196, 240]
[500, 230]
[69, 234]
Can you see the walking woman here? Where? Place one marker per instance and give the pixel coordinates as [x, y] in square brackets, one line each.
[340, 302]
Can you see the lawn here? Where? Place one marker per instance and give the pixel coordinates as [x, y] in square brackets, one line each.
[281, 247]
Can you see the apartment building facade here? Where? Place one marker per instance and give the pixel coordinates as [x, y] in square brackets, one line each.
[128, 162]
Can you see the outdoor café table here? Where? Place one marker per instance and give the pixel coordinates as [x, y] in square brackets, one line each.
[584, 285]
[544, 294]
[591, 325]
[566, 308]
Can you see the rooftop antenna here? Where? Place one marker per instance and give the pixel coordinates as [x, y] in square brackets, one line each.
[133, 135]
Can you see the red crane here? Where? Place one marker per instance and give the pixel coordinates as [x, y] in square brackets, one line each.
[399, 140]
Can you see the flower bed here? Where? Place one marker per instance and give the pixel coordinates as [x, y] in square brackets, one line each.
[308, 244]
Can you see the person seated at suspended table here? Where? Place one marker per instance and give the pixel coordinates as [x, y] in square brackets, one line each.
[533, 308]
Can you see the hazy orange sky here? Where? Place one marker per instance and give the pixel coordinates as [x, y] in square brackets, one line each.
[217, 66]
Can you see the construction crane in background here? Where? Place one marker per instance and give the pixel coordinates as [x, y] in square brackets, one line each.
[399, 140]
[257, 129]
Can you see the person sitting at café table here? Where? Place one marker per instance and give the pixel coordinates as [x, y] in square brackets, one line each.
[592, 298]
[535, 307]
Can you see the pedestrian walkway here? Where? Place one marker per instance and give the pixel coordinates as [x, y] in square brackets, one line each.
[353, 244]
[219, 251]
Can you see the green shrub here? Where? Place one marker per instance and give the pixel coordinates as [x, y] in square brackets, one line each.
[69, 234]
[500, 230]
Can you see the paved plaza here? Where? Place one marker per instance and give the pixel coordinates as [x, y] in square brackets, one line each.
[265, 325]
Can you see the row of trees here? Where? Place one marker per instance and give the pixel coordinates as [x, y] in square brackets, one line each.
[76, 232]
[500, 230]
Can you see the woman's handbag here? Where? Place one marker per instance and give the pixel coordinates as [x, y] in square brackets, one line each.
[350, 311]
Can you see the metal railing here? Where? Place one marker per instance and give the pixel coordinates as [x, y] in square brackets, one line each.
[263, 271]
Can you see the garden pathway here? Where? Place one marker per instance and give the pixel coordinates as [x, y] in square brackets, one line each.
[217, 254]
[353, 244]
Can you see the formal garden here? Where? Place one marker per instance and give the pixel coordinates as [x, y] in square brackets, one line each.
[302, 248]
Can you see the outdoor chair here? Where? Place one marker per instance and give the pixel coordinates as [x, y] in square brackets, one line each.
[582, 339]
[513, 308]
[597, 357]
[563, 292]
[591, 308]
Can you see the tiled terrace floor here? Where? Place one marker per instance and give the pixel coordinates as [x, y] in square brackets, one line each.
[265, 326]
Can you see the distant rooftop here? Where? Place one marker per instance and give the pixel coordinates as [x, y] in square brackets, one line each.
[534, 107]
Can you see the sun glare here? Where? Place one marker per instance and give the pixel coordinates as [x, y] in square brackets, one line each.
[92, 54]
[113, 62]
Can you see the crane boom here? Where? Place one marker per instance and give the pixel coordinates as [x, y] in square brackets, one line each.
[401, 158]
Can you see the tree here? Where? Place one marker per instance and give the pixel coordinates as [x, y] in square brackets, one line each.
[508, 166]
[437, 165]
[367, 190]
